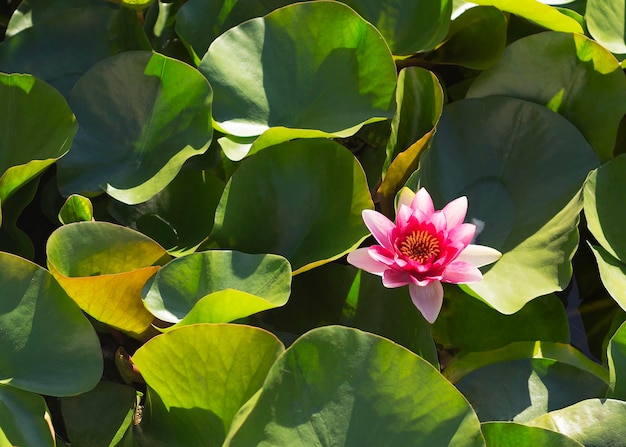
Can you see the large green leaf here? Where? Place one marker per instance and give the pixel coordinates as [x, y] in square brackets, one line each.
[408, 26]
[521, 167]
[612, 274]
[199, 376]
[606, 22]
[200, 22]
[310, 66]
[59, 49]
[536, 11]
[466, 324]
[302, 199]
[103, 267]
[340, 386]
[616, 358]
[510, 434]
[177, 287]
[35, 12]
[12, 238]
[593, 422]
[142, 115]
[99, 417]
[24, 419]
[570, 74]
[30, 144]
[523, 389]
[47, 345]
[605, 206]
[476, 39]
[180, 216]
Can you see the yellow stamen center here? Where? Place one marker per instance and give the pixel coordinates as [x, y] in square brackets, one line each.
[420, 246]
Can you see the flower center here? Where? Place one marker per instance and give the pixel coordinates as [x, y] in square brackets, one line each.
[420, 246]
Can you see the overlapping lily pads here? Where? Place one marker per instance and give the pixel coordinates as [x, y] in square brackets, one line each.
[287, 200]
[24, 419]
[142, 115]
[310, 66]
[522, 174]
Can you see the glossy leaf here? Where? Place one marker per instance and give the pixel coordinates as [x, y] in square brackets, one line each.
[269, 72]
[420, 103]
[47, 346]
[616, 359]
[522, 172]
[523, 389]
[60, 49]
[605, 206]
[30, 145]
[103, 267]
[469, 325]
[593, 422]
[194, 280]
[171, 218]
[35, 12]
[612, 273]
[99, 417]
[476, 39]
[200, 22]
[293, 195]
[537, 12]
[76, 209]
[568, 73]
[340, 385]
[201, 375]
[24, 419]
[510, 434]
[165, 106]
[606, 23]
[408, 26]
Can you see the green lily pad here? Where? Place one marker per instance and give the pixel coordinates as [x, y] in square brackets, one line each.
[200, 22]
[537, 12]
[47, 346]
[180, 217]
[467, 325]
[76, 209]
[35, 12]
[570, 74]
[31, 145]
[476, 39]
[68, 41]
[510, 434]
[593, 422]
[340, 385]
[103, 267]
[616, 359]
[24, 419]
[132, 153]
[271, 72]
[408, 26]
[612, 274]
[302, 199]
[522, 167]
[248, 284]
[12, 238]
[99, 417]
[199, 376]
[606, 23]
[605, 206]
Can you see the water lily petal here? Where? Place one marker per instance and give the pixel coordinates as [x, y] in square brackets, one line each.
[463, 233]
[459, 272]
[479, 255]
[382, 255]
[438, 221]
[360, 258]
[405, 197]
[380, 227]
[455, 212]
[428, 299]
[423, 201]
[403, 215]
[395, 278]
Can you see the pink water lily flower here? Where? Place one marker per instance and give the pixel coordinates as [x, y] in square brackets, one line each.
[423, 248]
